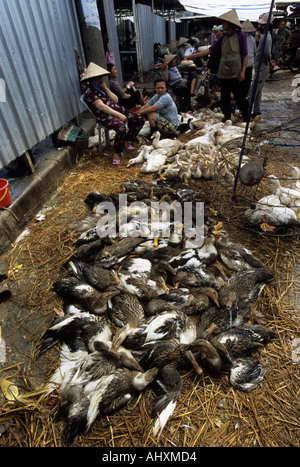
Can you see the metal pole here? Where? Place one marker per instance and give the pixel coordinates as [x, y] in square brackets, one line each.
[139, 48]
[252, 99]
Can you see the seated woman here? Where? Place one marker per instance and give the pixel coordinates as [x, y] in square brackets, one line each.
[104, 105]
[128, 97]
[179, 86]
[161, 109]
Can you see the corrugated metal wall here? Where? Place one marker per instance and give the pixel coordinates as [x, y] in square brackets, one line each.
[38, 65]
[152, 29]
[113, 35]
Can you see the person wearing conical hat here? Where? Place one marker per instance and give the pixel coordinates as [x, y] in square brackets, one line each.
[182, 89]
[103, 103]
[264, 65]
[249, 30]
[234, 57]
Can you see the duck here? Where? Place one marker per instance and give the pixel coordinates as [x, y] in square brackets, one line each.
[177, 299]
[288, 196]
[235, 256]
[138, 277]
[113, 253]
[247, 373]
[166, 389]
[82, 225]
[139, 159]
[211, 355]
[93, 274]
[77, 292]
[244, 286]
[197, 171]
[148, 245]
[198, 278]
[168, 357]
[204, 296]
[270, 217]
[207, 142]
[69, 362]
[87, 252]
[88, 236]
[95, 198]
[78, 331]
[156, 159]
[83, 403]
[127, 313]
[173, 324]
[244, 339]
[294, 183]
[191, 270]
[172, 145]
[207, 252]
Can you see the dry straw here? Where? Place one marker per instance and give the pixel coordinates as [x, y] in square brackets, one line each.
[209, 412]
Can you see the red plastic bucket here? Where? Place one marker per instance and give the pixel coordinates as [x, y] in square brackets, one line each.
[5, 199]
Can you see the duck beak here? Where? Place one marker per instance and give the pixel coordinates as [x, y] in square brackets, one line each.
[190, 356]
[165, 288]
[155, 241]
[116, 278]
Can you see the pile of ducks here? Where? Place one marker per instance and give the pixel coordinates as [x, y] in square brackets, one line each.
[139, 309]
[196, 158]
[281, 208]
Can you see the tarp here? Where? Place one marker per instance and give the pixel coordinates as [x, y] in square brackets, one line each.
[247, 10]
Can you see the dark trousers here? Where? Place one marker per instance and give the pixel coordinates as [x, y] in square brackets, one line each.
[182, 91]
[245, 85]
[133, 101]
[135, 123]
[228, 86]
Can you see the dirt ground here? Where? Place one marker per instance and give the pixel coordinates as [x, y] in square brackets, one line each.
[268, 418]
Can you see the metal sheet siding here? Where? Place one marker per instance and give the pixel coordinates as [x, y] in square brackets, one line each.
[152, 30]
[113, 35]
[37, 40]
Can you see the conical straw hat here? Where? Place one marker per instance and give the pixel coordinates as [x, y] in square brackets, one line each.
[247, 26]
[169, 58]
[181, 41]
[263, 18]
[94, 70]
[232, 17]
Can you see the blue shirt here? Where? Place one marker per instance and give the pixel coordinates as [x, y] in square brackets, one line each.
[174, 76]
[166, 106]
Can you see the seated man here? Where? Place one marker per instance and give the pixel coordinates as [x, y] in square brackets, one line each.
[104, 105]
[161, 110]
[181, 88]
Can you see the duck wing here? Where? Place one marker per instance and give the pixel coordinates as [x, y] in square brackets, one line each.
[93, 274]
[247, 373]
[80, 293]
[239, 258]
[77, 331]
[166, 388]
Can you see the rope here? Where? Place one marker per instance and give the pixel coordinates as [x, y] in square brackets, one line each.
[5, 193]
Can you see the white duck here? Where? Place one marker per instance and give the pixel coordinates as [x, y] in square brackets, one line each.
[270, 216]
[295, 182]
[172, 145]
[139, 159]
[207, 141]
[288, 196]
[154, 161]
